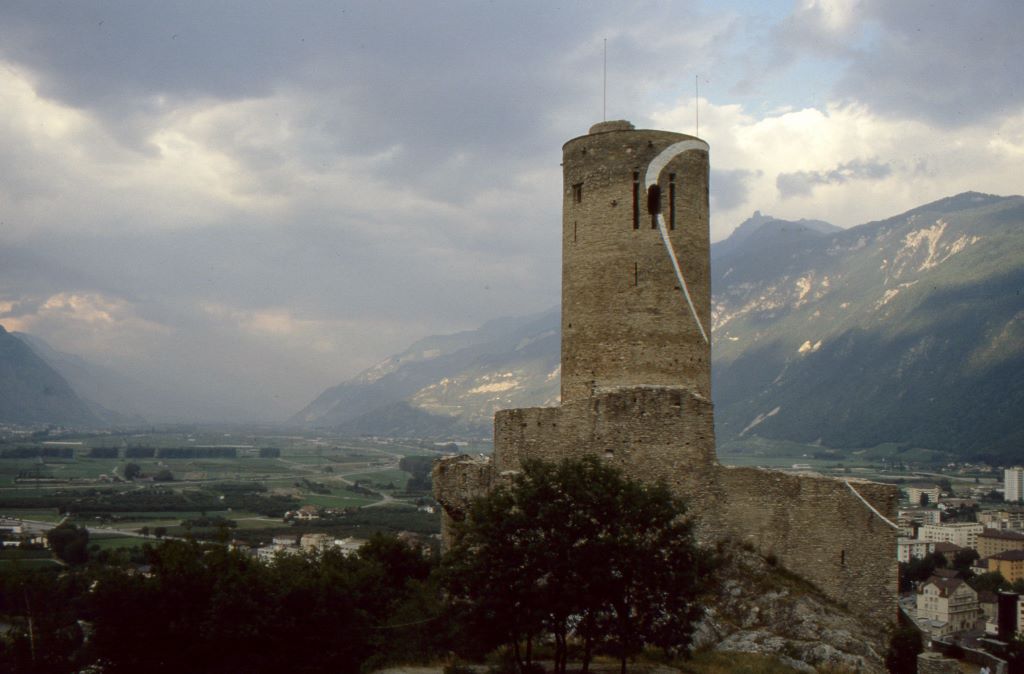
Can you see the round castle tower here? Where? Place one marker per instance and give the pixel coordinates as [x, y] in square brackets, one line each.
[636, 288]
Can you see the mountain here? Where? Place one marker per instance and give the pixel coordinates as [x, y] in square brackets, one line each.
[122, 400]
[906, 330]
[108, 394]
[760, 228]
[32, 392]
[448, 385]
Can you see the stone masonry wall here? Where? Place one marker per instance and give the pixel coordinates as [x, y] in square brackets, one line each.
[624, 318]
[815, 526]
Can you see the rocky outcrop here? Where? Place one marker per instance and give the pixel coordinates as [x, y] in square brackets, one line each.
[759, 608]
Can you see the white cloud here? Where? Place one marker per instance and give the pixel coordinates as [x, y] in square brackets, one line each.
[860, 166]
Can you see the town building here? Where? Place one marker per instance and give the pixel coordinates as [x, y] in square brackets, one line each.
[1010, 564]
[1013, 484]
[912, 548]
[1011, 519]
[964, 534]
[916, 490]
[314, 542]
[988, 602]
[994, 541]
[918, 516]
[348, 546]
[946, 606]
[947, 550]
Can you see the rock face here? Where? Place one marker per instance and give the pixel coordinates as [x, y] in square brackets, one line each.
[636, 373]
[759, 608]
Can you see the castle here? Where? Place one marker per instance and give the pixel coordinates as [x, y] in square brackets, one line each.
[636, 376]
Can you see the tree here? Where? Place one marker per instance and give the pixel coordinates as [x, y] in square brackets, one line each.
[905, 644]
[132, 471]
[962, 561]
[70, 543]
[991, 581]
[576, 549]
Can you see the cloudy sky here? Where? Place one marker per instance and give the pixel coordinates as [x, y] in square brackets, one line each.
[247, 202]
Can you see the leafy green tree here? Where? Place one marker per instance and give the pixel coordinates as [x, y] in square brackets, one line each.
[962, 561]
[70, 543]
[132, 471]
[918, 570]
[992, 581]
[576, 549]
[905, 644]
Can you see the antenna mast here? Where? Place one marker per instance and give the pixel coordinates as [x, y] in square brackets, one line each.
[604, 85]
[696, 104]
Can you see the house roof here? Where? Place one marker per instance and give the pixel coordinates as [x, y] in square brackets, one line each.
[947, 547]
[986, 597]
[1009, 556]
[947, 586]
[999, 533]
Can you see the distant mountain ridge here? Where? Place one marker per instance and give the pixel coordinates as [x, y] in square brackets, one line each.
[32, 392]
[449, 384]
[904, 330]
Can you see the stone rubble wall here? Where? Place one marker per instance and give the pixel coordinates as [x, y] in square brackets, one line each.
[814, 526]
[817, 528]
[935, 663]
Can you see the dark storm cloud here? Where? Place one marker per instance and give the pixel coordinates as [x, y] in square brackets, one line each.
[439, 78]
[802, 183]
[952, 63]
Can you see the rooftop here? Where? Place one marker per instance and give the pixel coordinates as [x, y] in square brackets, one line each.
[1003, 534]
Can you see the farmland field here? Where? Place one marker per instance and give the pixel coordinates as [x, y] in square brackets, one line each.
[130, 482]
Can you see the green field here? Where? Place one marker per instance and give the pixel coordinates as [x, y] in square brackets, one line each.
[39, 515]
[311, 470]
[337, 500]
[382, 478]
[105, 542]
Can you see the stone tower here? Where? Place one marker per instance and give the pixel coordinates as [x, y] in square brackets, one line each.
[636, 376]
[636, 296]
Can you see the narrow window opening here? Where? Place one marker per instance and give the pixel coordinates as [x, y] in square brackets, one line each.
[577, 193]
[842, 558]
[636, 200]
[636, 274]
[574, 231]
[671, 200]
[654, 204]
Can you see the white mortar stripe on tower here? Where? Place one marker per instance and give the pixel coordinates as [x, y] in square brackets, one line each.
[654, 170]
